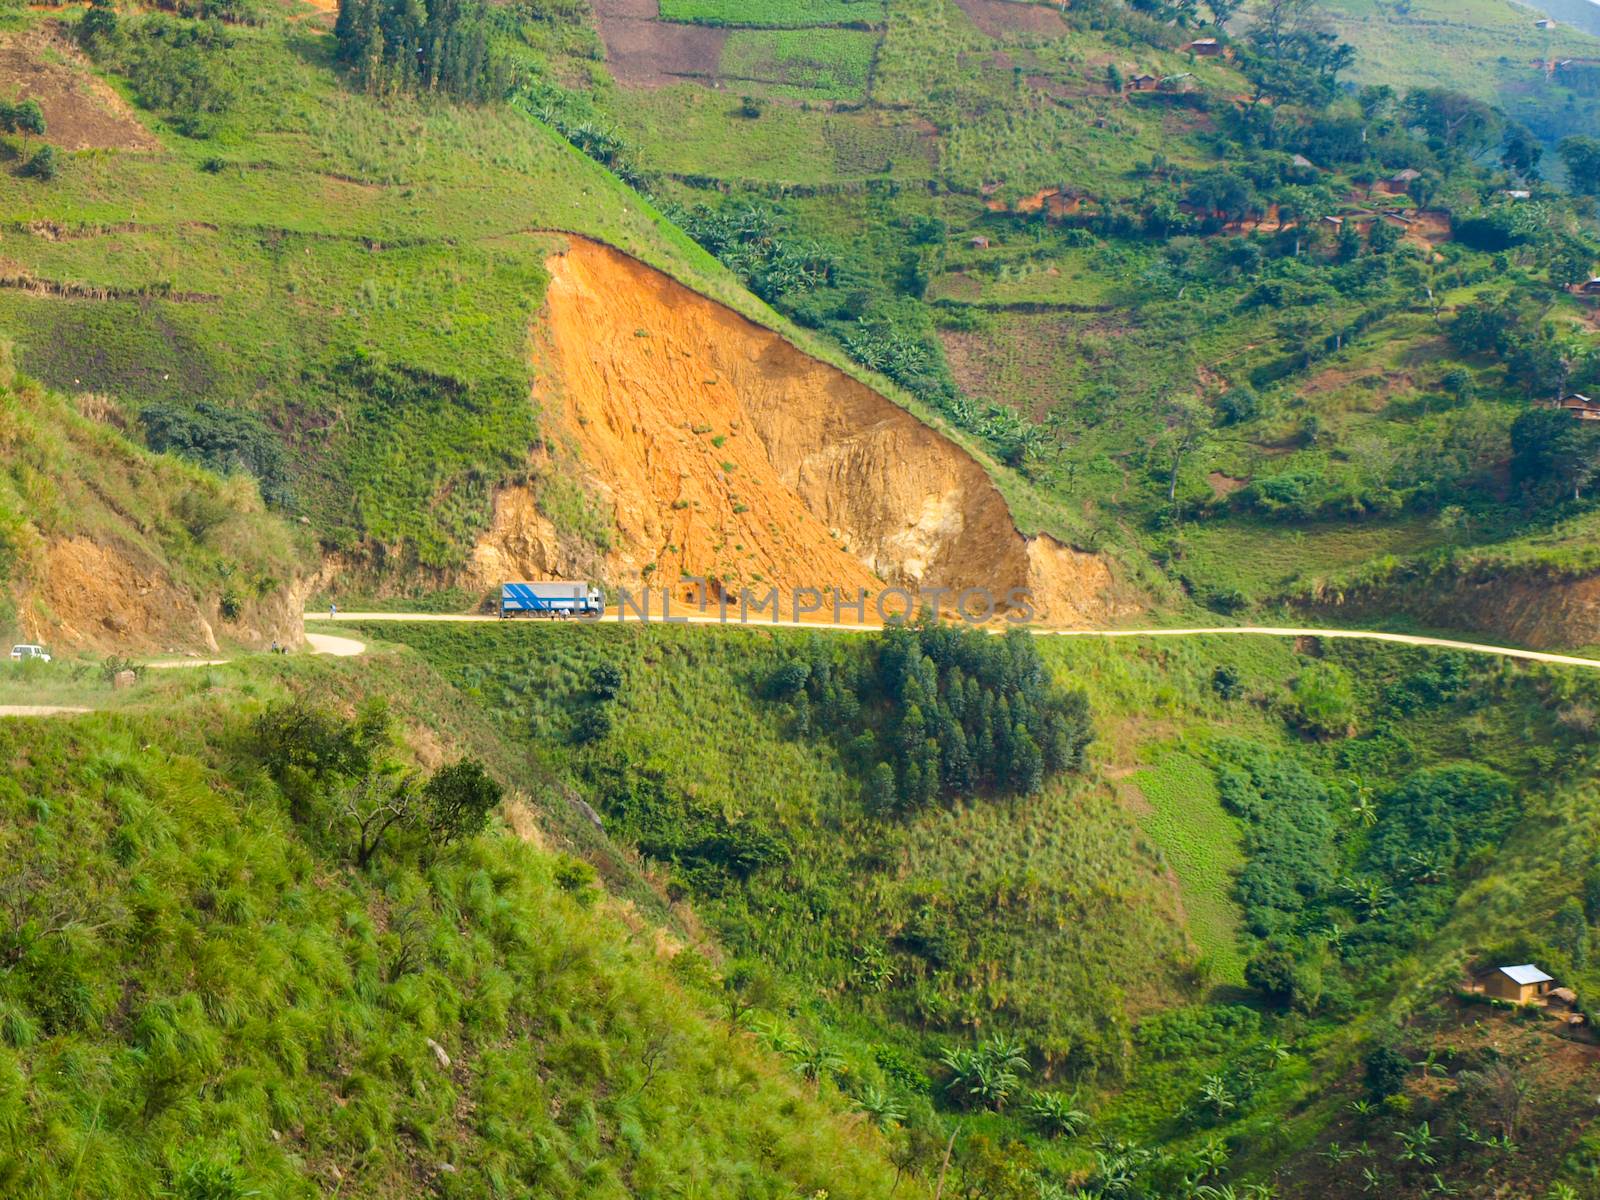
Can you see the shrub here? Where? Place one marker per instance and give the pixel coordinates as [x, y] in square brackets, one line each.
[1385, 1072]
[1056, 1115]
[1238, 405]
[1322, 700]
[605, 681]
[42, 165]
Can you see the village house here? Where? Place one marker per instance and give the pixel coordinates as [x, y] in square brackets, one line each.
[1581, 407]
[1202, 48]
[1303, 163]
[1544, 23]
[979, 243]
[1590, 288]
[1400, 182]
[1142, 82]
[1525, 984]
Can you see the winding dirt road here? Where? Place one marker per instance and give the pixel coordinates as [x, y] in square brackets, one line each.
[320, 643]
[1403, 639]
[348, 647]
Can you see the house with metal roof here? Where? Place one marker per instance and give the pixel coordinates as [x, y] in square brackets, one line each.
[1525, 984]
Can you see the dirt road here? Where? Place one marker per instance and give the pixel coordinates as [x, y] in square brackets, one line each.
[1404, 639]
[320, 643]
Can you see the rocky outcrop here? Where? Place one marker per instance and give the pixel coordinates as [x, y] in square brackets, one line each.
[726, 452]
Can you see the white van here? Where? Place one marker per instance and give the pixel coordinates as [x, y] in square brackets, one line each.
[26, 651]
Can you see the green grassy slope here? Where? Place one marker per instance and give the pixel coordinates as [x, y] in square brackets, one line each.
[202, 997]
[1065, 333]
[358, 272]
[1486, 48]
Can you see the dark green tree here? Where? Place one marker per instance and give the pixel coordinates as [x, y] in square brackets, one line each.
[1581, 155]
[458, 799]
[1552, 455]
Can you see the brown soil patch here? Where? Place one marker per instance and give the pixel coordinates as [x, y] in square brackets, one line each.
[1016, 362]
[957, 285]
[81, 112]
[726, 452]
[997, 18]
[1225, 485]
[644, 51]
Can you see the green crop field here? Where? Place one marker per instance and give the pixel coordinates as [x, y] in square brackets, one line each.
[791, 14]
[831, 64]
[1200, 842]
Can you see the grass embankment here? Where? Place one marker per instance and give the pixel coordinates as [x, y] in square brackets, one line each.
[203, 997]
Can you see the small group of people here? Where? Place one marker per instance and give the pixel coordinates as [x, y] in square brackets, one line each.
[279, 648]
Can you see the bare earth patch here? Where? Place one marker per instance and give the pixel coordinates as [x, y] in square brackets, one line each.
[644, 51]
[997, 18]
[1224, 486]
[81, 112]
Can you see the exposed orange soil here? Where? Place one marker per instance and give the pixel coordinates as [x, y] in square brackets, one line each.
[89, 594]
[81, 112]
[726, 452]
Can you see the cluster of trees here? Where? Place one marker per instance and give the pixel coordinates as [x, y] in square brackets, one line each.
[708, 851]
[180, 68]
[223, 439]
[1581, 156]
[1293, 56]
[780, 268]
[411, 46]
[1553, 457]
[933, 711]
[23, 116]
[343, 776]
[1324, 915]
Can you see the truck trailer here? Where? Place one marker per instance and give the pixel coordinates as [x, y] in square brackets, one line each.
[551, 598]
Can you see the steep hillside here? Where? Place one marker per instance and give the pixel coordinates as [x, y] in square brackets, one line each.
[284, 274]
[1492, 49]
[204, 996]
[105, 545]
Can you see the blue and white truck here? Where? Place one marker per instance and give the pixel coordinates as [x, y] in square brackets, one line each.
[551, 598]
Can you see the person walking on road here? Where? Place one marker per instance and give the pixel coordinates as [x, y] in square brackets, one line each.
[333, 609]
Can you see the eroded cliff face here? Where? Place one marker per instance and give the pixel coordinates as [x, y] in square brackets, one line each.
[96, 595]
[1517, 605]
[727, 453]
